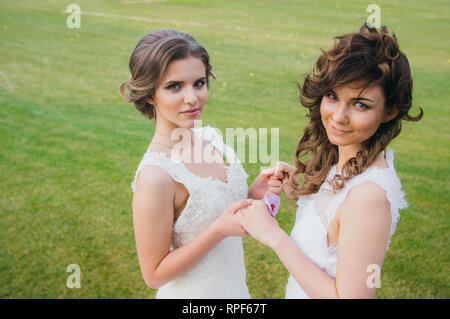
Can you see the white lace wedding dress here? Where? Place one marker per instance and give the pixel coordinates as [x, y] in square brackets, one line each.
[316, 211]
[221, 273]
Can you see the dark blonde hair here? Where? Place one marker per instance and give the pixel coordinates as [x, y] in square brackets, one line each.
[367, 55]
[150, 58]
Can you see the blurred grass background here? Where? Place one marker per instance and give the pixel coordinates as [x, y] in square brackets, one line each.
[70, 145]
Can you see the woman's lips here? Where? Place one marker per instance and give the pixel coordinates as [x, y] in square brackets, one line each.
[338, 131]
[194, 112]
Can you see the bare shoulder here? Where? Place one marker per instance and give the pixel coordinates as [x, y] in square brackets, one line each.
[153, 198]
[155, 179]
[367, 192]
[367, 200]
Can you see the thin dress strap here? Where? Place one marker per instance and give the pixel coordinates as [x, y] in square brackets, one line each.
[175, 168]
[211, 135]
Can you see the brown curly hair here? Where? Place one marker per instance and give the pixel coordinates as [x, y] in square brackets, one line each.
[375, 58]
[150, 58]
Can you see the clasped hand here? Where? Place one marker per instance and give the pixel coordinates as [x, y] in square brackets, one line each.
[251, 217]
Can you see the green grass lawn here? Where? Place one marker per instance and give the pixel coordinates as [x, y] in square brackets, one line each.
[70, 145]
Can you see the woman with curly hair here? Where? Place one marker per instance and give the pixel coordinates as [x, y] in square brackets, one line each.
[348, 201]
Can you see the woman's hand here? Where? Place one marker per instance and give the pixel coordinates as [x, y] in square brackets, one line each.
[267, 181]
[228, 224]
[284, 172]
[258, 222]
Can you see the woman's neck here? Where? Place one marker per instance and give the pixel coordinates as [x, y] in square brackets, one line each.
[171, 135]
[346, 153]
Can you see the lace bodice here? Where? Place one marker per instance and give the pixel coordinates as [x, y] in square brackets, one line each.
[221, 273]
[315, 213]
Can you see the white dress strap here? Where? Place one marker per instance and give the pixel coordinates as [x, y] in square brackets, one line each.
[211, 135]
[175, 168]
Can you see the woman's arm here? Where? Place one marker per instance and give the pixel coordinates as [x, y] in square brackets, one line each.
[363, 236]
[365, 225]
[153, 214]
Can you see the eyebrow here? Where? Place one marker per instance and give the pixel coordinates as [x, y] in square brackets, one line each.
[361, 98]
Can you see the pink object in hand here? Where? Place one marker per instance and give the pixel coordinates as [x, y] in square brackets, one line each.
[272, 203]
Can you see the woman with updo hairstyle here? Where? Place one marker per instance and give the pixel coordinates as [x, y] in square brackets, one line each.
[149, 60]
[188, 239]
[347, 191]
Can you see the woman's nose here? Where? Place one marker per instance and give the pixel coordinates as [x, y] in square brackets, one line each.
[340, 114]
[190, 97]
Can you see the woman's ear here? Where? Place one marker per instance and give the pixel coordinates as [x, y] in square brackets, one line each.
[390, 113]
[150, 100]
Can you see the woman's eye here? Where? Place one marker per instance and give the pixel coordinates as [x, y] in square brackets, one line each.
[199, 83]
[174, 86]
[332, 96]
[361, 105]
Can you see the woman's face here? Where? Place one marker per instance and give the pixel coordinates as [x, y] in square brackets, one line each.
[181, 95]
[350, 118]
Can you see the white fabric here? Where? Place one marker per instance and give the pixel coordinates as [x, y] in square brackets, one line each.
[316, 211]
[221, 273]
